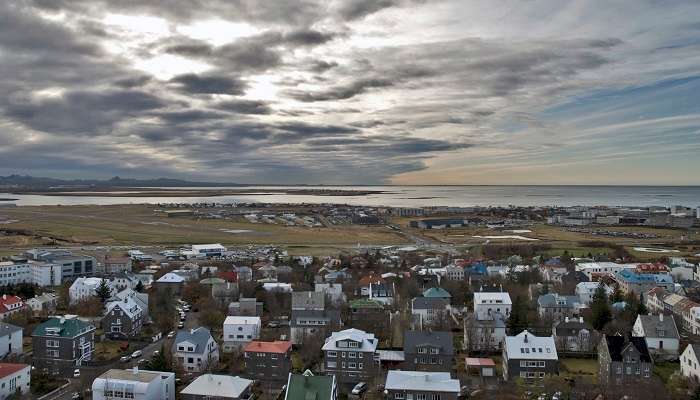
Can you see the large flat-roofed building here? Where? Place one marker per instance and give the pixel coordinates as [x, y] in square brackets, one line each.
[134, 384]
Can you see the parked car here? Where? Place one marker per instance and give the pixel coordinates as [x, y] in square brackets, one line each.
[171, 335]
[125, 359]
[76, 373]
[181, 325]
[75, 396]
[137, 354]
[359, 388]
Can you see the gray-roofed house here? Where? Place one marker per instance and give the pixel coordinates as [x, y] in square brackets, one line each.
[574, 335]
[218, 387]
[141, 299]
[62, 343]
[351, 355]
[10, 340]
[308, 323]
[428, 351]
[661, 335]
[195, 350]
[123, 318]
[554, 307]
[170, 283]
[690, 362]
[308, 301]
[429, 310]
[421, 385]
[529, 357]
[246, 307]
[622, 360]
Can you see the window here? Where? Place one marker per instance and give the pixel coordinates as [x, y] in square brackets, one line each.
[360, 365]
[331, 364]
[352, 365]
[422, 350]
[398, 396]
[52, 353]
[420, 396]
[433, 351]
[332, 354]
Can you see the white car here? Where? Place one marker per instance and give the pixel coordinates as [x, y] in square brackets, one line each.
[137, 354]
[76, 373]
[359, 388]
[171, 335]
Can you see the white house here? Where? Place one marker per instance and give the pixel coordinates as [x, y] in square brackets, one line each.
[486, 304]
[690, 363]
[586, 290]
[195, 350]
[13, 377]
[134, 384]
[660, 333]
[10, 340]
[239, 330]
[333, 290]
[454, 273]
[223, 387]
[84, 288]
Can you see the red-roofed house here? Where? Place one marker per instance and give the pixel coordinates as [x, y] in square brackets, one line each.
[12, 378]
[10, 305]
[229, 276]
[268, 362]
[366, 280]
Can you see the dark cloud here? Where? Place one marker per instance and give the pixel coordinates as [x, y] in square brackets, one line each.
[209, 84]
[239, 106]
[357, 9]
[341, 92]
[308, 37]
[321, 66]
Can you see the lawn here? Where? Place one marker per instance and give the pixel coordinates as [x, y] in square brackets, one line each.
[665, 370]
[108, 350]
[579, 366]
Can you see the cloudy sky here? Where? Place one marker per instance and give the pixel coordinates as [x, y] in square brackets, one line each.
[353, 91]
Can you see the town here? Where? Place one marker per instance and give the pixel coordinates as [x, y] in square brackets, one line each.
[507, 318]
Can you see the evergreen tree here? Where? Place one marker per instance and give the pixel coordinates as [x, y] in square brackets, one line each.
[158, 362]
[696, 394]
[517, 322]
[641, 307]
[103, 291]
[617, 295]
[139, 287]
[600, 308]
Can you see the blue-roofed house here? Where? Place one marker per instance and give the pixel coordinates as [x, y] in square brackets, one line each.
[195, 349]
[631, 281]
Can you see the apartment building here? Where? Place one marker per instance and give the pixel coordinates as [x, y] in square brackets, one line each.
[529, 357]
[134, 384]
[428, 351]
[240, 330]
[268, 361]
[62, 343]
[351, 355]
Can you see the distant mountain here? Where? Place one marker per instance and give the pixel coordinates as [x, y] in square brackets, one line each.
[38, 183]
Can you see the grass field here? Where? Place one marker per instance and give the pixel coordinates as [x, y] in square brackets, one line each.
[579, 366]
[140, 225]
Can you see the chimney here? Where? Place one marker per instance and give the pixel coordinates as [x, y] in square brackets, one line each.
[661, 317]
[62, 320]
[525, 338]
[136, 369]
[580, 319]
[566, 319]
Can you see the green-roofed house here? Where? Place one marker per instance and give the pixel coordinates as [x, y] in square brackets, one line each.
[62, 343]
[368, 315]
[308, 386]
[437, 293]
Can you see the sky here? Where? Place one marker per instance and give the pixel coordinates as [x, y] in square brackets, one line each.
[353, 91]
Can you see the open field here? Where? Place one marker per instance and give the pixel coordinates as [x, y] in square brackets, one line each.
[139, 225]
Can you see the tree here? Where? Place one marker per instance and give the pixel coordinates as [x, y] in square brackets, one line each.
[696, 394]
[617, 295]
[103, 291]
[601, 313]
[139, 287]
[159, 362]
[518, 321]
[641, 307]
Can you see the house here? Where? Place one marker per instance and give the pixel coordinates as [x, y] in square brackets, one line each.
[574, 335]
[429, 310]
[43, 304]
[437, 293]
[660, 334]
[454, 273]
[9, 305]
[309, 301]
[485, 328]
[308, 386]
[115, 265]
[631, 281]
[195, 350]
[240, 330]
[428, 351]
[382, 292]
[219, 387]
[529, 357]
[141, 299]
[278, 287]
[85, 288]
[365, 281]
[486, 304]
[622, 360]
[351, 355]
[420, 385]
[334, 291]
[134, 384]
[246, 306]
[62, 343]
[368, 314]
[312, 323]
[14, 378]
[123, 281]
[586, 290]
[171, 283]
[268, 361]
[244, 274]
[554, 307]
[10, 340]
[690, 363]
[123, 318]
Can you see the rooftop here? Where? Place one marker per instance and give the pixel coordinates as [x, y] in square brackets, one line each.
[219, 386]
[10, 368]
[132, 375]
[422, 381]
[280, 347]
